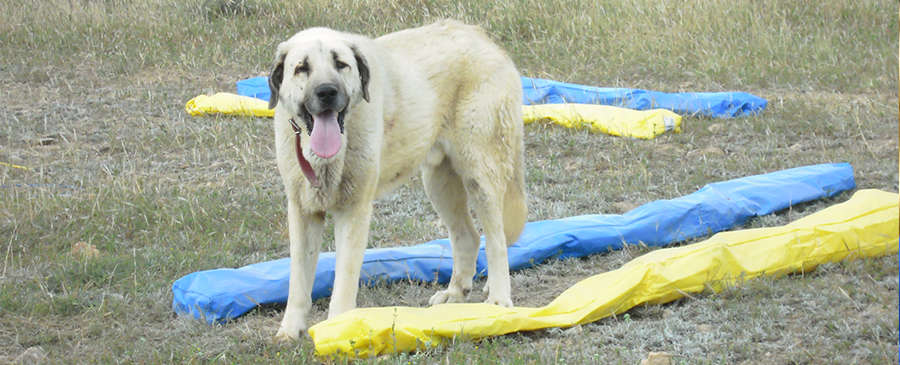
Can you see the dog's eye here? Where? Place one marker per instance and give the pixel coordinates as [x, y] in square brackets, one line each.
[340, 65]
[301, 68]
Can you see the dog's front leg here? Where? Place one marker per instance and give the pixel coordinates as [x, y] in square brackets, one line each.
[306, 231]
[351, 233]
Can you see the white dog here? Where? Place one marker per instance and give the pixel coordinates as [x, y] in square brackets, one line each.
[355, 118]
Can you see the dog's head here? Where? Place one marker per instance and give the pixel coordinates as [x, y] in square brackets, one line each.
[317, 76]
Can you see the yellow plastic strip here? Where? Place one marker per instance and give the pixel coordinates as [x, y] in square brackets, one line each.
[865, 226]
[14, 166]
[644, 124]
[230, 104]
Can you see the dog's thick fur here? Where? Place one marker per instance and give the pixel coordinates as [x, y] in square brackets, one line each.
[442, 99]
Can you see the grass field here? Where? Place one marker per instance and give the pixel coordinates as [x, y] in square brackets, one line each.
[92, 97]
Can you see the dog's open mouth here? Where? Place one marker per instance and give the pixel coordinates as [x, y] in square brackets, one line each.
[325, 131]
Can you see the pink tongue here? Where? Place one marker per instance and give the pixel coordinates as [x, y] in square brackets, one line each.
[325, 139]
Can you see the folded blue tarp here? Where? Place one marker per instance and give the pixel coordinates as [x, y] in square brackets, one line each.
[539, 91]
[255, 87]
[223, 294]
[718, 105]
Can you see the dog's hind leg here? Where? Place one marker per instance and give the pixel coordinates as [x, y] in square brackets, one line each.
[449, 198]
[488, 204]
[492, 172]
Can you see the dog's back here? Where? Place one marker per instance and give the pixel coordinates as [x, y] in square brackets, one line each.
[451, 55]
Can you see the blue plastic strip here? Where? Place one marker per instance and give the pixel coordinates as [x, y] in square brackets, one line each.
[718, 105]
[223, 294]
[540, 91]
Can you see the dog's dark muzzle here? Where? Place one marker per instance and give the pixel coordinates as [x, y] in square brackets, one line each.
[323, 98]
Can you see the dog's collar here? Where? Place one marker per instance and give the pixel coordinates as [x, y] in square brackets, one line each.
[304, 164]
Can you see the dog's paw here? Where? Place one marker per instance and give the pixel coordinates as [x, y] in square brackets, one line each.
[503, 302]
[447, 296]
[285, 337]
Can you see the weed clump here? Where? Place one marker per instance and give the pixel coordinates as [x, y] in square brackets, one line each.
[215, 9]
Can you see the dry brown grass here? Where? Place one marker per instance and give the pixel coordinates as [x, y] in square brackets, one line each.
[161, 194]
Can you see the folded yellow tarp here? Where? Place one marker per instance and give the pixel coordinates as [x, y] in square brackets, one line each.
[230, 104]
[865, 226]
[644, 124]
[612, 120]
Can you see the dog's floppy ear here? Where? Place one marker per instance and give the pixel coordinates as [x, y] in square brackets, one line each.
[276, 77]
[363, 71]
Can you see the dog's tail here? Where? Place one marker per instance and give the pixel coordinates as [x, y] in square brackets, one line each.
[515, 202]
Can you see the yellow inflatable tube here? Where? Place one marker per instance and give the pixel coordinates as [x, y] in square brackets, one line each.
[865, 226]
[229, 104]
[645, 124]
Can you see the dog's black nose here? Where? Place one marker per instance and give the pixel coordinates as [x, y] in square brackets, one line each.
[327, 93]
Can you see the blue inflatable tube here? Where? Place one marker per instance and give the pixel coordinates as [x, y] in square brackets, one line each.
[223, 294]
[717, 105]
[540, 91]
